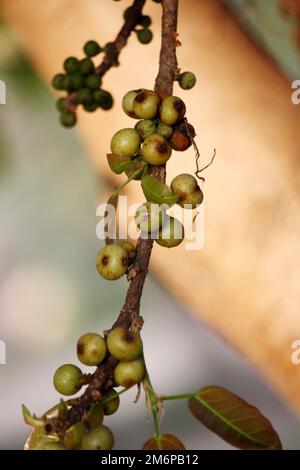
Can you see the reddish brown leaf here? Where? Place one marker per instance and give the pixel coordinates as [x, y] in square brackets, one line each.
[234, 420]
[167, 442]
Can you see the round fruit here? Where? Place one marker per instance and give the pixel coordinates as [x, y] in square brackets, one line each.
[123, 344]
[93, 81]
[156, 150]
[59, 81]
[164, 130]
[112, 405]
[90, 107]
[172, 110]
[68, 119]
[91, 349]
[71, 65]
[74, 435]
[76, 81]
[112, 262]
[187, 80]
[129, 373]
[145, 128]
[149, 217]
[128, 247]
[181, 138]
[144, 35]
[127, 102]
[92, 48]
[66, 379]
[171, 234]
[146, 104]
[84, 96]
[86, 66]
[62, 104]
[104, 99]
[186, 186]
[125, 142]
[99, 438]
[145, 21]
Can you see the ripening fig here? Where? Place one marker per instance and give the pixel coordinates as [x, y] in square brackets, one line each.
[92, 48]
[91, 349]
[71, 65]
[171, 234]
[181, 137]
[125, 142]
[149, 217]
[156, 150]
[123, 344]
[164, 130]
[128, 246]
[146, 104]
[112, 405]
[188, 190]
[66, 379]
[127, 102]
[112, 262]
[172, 110]
[187, 80]
[99, 438]
[129, 373]
[145, 128]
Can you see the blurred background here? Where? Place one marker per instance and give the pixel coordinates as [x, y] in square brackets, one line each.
[50, 292]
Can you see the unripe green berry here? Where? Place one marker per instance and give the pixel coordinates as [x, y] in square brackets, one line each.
[128, 246]
[86, 66]
[99, 438]
[156, 150]
[145, 21]
[171, 234]
[187, 80]
[164, 130]
[146, 104]
[104, 99]
[90, 107]
[149, 217]
[172, 110]
[129, 373]
[92, 48]
[127, 102]
[112, 405]
[187, 188]
[93, 81]
[71, 65]
[68, 119]
[66, 379]
[59, 81]
[74, 435]
[125, 142]
[126, 13]
[144, 35]
[112, 262]
[91, 349]
[123, 344]
[145, 128]
[84, 96]
[62, 104]
[75, 81]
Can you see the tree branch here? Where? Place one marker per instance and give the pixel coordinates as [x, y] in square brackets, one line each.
[103, 378]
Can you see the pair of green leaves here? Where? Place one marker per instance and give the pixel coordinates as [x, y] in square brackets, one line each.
[120, 163]
[234, 420]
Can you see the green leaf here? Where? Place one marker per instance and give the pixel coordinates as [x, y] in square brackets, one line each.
[118, 163]
[37, 437]
[32, 420]
[158, 192]
[234, 420]
[164, 442]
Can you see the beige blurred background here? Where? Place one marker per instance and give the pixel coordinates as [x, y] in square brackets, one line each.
[232, 307]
